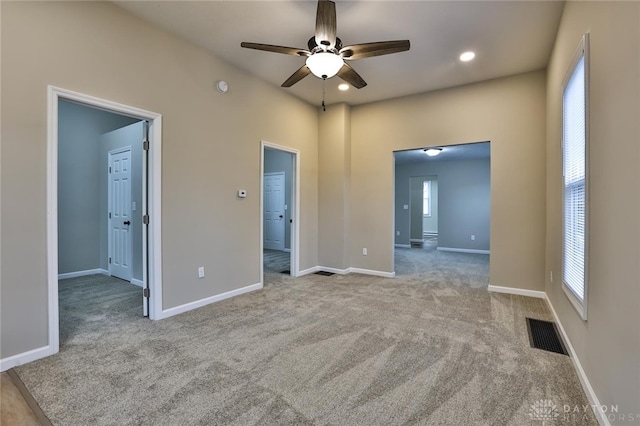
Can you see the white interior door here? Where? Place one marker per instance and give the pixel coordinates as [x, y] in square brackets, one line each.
[274, 211]
[120, 240]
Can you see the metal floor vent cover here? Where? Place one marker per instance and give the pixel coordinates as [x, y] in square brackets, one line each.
[544, 335]
[325, 273]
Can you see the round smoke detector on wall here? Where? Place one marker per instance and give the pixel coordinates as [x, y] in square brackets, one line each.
[222, 86]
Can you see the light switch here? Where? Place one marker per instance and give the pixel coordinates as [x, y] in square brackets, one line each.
[133, 206]
[406, 206]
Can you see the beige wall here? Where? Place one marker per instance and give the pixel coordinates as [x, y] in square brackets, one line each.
[608, 344]
[211, 148]
[509, 112]
[334, 158]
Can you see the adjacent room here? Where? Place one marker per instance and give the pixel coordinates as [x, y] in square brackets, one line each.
[442, 206]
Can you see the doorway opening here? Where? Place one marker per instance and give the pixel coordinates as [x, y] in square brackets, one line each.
[442, 204]
[279, 210]
[103, 199]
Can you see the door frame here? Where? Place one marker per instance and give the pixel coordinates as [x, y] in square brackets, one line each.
[284, 230]
[110, 155]
[152, 234]
[295, 202]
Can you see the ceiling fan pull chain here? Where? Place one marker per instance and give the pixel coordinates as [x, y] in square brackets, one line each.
[324, 80]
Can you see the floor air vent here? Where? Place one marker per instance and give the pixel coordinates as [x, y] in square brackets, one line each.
[325, 273]
[544, 335]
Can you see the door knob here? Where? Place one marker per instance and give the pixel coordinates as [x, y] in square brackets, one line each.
[127, 222]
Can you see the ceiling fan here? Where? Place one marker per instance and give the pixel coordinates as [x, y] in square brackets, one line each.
[326, 56]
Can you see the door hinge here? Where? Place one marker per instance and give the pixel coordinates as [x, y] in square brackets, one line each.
[145, 219]
[109, 215]
[109, 169]
[145, 145]
[145, 292]
[109, 260]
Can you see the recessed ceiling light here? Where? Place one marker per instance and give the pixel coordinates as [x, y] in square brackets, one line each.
[343, 87]
[467, 56]
[432, 152]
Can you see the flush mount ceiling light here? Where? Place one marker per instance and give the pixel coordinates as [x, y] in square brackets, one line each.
[343, 87]
[432, 152]
[324, 64]
[467, 56]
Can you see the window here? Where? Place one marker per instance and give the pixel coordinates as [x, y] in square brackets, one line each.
[426, 198]
[574, 165]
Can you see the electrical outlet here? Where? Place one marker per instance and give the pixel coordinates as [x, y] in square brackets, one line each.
[473, 237]
[364, 251]
[551, 276]
[397, 232]
[201, 272]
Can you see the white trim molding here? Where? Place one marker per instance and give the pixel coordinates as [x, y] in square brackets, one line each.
[25, 357]
[347, 271]
[403, 245]
[153, 255]
[463, 250]
[88, 272]
[137, 282]
[601, 416]
[372, 272]
[294, 244]
[517, 291]
[209, 300]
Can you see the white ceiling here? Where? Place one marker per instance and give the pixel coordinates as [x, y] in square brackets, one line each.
[469, 151]
[509, 37]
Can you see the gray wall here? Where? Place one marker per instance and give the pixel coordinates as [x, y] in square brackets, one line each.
[208, 151]
[280, 161]
[127, 136]
[464, 189]
[79, 185]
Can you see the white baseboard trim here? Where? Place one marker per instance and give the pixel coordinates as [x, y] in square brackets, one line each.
[372, 272]
[287, 250]
[347, 271]
[334, 270]
[83, 273]
[518, 291]
[417, 240]
[25, 357]
[601, 416]
[166, 313]
[137, 282]
[308, 271]
[403, 245]
[463, 250]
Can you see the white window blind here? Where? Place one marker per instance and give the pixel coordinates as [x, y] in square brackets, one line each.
[574, 148]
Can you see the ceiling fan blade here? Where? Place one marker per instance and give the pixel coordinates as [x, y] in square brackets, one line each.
[367, 50]
[326, 24]
[277, 49]
[301, 73]
[350, 75]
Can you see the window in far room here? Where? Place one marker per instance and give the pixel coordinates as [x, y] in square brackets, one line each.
[426, 198]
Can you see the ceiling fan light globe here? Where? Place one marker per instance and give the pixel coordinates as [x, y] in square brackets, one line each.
[324, 64]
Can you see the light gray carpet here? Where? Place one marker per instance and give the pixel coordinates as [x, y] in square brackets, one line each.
[430, 347]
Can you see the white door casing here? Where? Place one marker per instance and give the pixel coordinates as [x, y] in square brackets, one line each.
[120, 235]
[274, 220]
